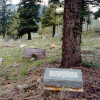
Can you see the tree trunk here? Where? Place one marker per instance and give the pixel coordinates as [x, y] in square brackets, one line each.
[3, 36]
[29, 36]
[87, 28]
[82, 5]
[54, 28]
[71, 53]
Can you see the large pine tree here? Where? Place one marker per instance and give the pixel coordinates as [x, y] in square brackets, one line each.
[5, 18]
[49, 19]
[74, 11]
[28, 14]
[71, 53]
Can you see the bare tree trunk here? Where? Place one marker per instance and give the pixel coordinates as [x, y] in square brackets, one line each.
[3, 36]
[87, 27]
[71, 53]
[54, 28]
[29, 36]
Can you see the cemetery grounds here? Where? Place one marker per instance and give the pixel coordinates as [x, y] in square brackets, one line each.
[22, 79]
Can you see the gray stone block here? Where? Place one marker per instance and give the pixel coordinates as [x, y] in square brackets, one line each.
[68, 78]
[24, 39]
[34, 52]
[97, 29]
[1, 60]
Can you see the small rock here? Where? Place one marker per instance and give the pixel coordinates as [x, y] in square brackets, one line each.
[22, 46]
[21, 87]
[43, 38]
[32, 59]
[32, 46]
[1, 60]
[42, 98]
[39, 80]
[56, 35]
[7, 71]
[24, 39]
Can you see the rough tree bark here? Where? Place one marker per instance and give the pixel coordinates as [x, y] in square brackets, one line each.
[82, 5]
[54, 28]
[71, 52]
[29, 36]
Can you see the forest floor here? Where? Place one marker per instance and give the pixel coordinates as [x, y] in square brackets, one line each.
[23, 79]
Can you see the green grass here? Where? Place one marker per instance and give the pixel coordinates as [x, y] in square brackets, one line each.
[25, 72]
[38, 63]
[18, 68]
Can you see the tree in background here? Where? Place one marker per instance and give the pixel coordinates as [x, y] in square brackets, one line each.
[50, 18]
[74, 11]
[15, 25]
[28, 13]
[97, 14]
[5, 18]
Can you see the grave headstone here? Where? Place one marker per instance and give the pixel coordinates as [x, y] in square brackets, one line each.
[97, 29]
[63, 78]
[24, 39]
[43, 38]
[34, 52]
[56, 35]
[1, 60]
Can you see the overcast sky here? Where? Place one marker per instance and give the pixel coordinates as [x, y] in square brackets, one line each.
[45, 1]
[15, 1]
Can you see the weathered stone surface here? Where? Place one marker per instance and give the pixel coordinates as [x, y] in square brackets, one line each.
[1, 60]
[43, 38]
[24, 39]
[56, 35]
[34, 52]
[68, 78]
[97, 29]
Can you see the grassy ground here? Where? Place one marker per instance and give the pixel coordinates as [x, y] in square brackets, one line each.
[91, 49]
[15, 69]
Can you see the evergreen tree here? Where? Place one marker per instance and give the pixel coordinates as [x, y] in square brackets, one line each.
[5, 18]
[49, 18]
[28, 14]
[73, 20]
[15, 25]
[97, 14]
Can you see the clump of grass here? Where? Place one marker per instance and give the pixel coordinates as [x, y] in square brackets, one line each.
[98, 48]
[25, 72]
[27, 60]
[52, 60]
[38, 63]
[14, 79]
[86, 63]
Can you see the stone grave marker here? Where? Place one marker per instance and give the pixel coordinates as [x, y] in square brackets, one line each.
[1, 60]
[63, 79]
[24, 39]
[97, 29]
[43, 38]
[34, 52]
[56, 35]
